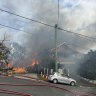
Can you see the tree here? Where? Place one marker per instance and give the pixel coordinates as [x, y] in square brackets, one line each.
[88, 66]
[4, 53]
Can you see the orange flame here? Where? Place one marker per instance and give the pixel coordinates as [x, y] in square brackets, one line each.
[19, 70]
[34, 62]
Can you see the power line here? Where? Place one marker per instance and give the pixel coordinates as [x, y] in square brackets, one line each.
[26, 18]
[43, 24]
[81, 35]
[5, 40]
[14, 28]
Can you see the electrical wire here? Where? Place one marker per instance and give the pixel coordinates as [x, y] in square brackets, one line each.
[53, 48]
[14, 28]
[43, 24]
[26, 18]
[81, 35]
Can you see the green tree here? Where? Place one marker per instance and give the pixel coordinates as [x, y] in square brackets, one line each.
[88, 66]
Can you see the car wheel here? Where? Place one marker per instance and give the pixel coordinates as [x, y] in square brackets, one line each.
[72, 83]
[55, 81]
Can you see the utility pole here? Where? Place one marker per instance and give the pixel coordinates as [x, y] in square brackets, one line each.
[56, 65]
[56, 28]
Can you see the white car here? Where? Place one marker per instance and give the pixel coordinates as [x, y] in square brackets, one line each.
[61, 78]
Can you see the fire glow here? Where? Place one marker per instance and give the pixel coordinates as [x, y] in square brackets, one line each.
[34, 62]
[20, 70]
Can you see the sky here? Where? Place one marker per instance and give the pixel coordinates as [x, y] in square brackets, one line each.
[75, 15]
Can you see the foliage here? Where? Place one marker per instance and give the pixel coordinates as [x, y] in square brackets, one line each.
[88, 66]
[4, 54]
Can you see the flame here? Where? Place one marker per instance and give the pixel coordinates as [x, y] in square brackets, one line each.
[34, 62]
[19, 70]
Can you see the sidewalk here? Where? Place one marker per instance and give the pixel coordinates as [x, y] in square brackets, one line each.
[27, 76]
[90, 81]
[31, 75]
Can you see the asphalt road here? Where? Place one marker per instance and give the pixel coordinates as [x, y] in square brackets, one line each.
[43, 90]
[34, 90]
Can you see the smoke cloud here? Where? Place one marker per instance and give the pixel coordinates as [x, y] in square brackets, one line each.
[75, 15]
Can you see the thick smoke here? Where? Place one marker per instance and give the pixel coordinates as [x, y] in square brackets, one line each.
[42, 37]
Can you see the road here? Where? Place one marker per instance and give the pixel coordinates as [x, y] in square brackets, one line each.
[48, 90]
[34, 90]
